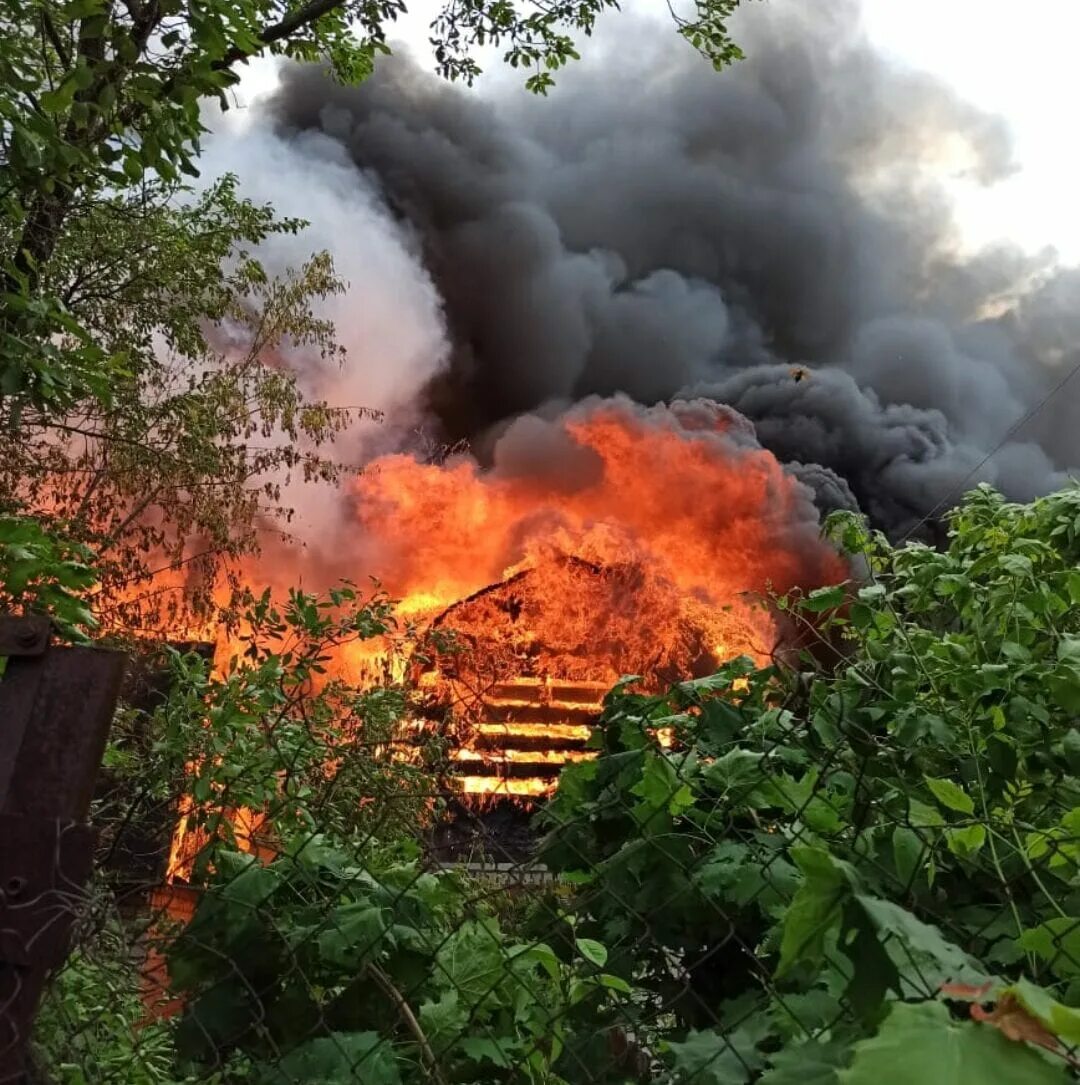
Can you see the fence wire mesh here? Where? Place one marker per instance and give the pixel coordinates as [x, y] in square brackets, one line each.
[735, 886]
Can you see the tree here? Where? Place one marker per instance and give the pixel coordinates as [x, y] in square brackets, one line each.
[122, 421]
[99, 95]
[184, 461]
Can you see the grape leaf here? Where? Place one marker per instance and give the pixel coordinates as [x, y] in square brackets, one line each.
[711, 1058]
[816, 907]
[471, 962]
[444, 1021]
[921, 1044]
[807, 1064]
[337, 1059]
[921, 951]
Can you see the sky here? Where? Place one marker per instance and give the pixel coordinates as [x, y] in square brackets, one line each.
[1017, 61]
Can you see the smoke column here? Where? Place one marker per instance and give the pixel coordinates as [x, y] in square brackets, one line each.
[661, 231]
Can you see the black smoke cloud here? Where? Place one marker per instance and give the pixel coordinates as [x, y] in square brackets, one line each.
[659, 230]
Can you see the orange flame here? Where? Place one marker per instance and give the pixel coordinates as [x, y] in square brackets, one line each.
[677, 493]
[613, 540]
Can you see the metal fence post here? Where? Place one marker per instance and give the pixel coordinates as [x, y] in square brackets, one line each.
[56, 705]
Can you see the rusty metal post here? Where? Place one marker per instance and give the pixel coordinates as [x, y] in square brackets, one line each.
[56, 705]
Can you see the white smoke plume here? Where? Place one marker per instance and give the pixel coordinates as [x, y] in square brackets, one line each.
[389, 319]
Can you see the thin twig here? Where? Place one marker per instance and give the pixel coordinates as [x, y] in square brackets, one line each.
[411, 1023]
[50, 30]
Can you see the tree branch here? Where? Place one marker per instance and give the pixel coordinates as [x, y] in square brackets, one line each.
[268, 36]
[384, 982]
[289, 25]
[50, 30]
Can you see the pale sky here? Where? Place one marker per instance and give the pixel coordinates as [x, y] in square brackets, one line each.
[1016, 60]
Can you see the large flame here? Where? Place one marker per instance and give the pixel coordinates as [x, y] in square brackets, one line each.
[681, 494]
[611, 540]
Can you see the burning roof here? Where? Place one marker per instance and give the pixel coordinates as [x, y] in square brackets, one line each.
[575, 620]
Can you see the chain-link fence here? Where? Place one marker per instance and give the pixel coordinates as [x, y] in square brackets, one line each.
[767, 875]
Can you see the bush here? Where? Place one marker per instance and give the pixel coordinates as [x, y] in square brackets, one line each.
[819, 850]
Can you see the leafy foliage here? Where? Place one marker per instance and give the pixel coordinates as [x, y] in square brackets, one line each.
[45, 573]
[100, 99]
[268, 748]
[919, 1043]
[833, 874]
[91, 1028]
[821, 844]
[336, 966]
[198, 438]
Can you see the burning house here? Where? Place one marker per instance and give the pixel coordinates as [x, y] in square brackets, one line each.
[606, 541]
[527, 662]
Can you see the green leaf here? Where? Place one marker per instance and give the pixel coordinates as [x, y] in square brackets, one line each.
[471, 961]
[541, 954]
[950, 583]
[824, 599]
[93, 26]
[735, 767]
[592, 951]
[815, 909]
[1064, 687]
[681, 801]
[660, 788]
[711, 1058]
[908, 848]
[614, 983]
[488, 1049]
[922, 816]
[807, 1064]
[249, 882]
[921, 1044]
[951, 795]
[80, 9]
[337, 1059]
[966, 842]
[444, 1021]
[1057, 942]
[925, 952]
[1070, 746]
[354, 935]
[58, 100]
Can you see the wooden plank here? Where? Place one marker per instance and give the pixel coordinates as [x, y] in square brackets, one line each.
[18, 692]
[55, 712]
[58, 759]
[24, 635]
